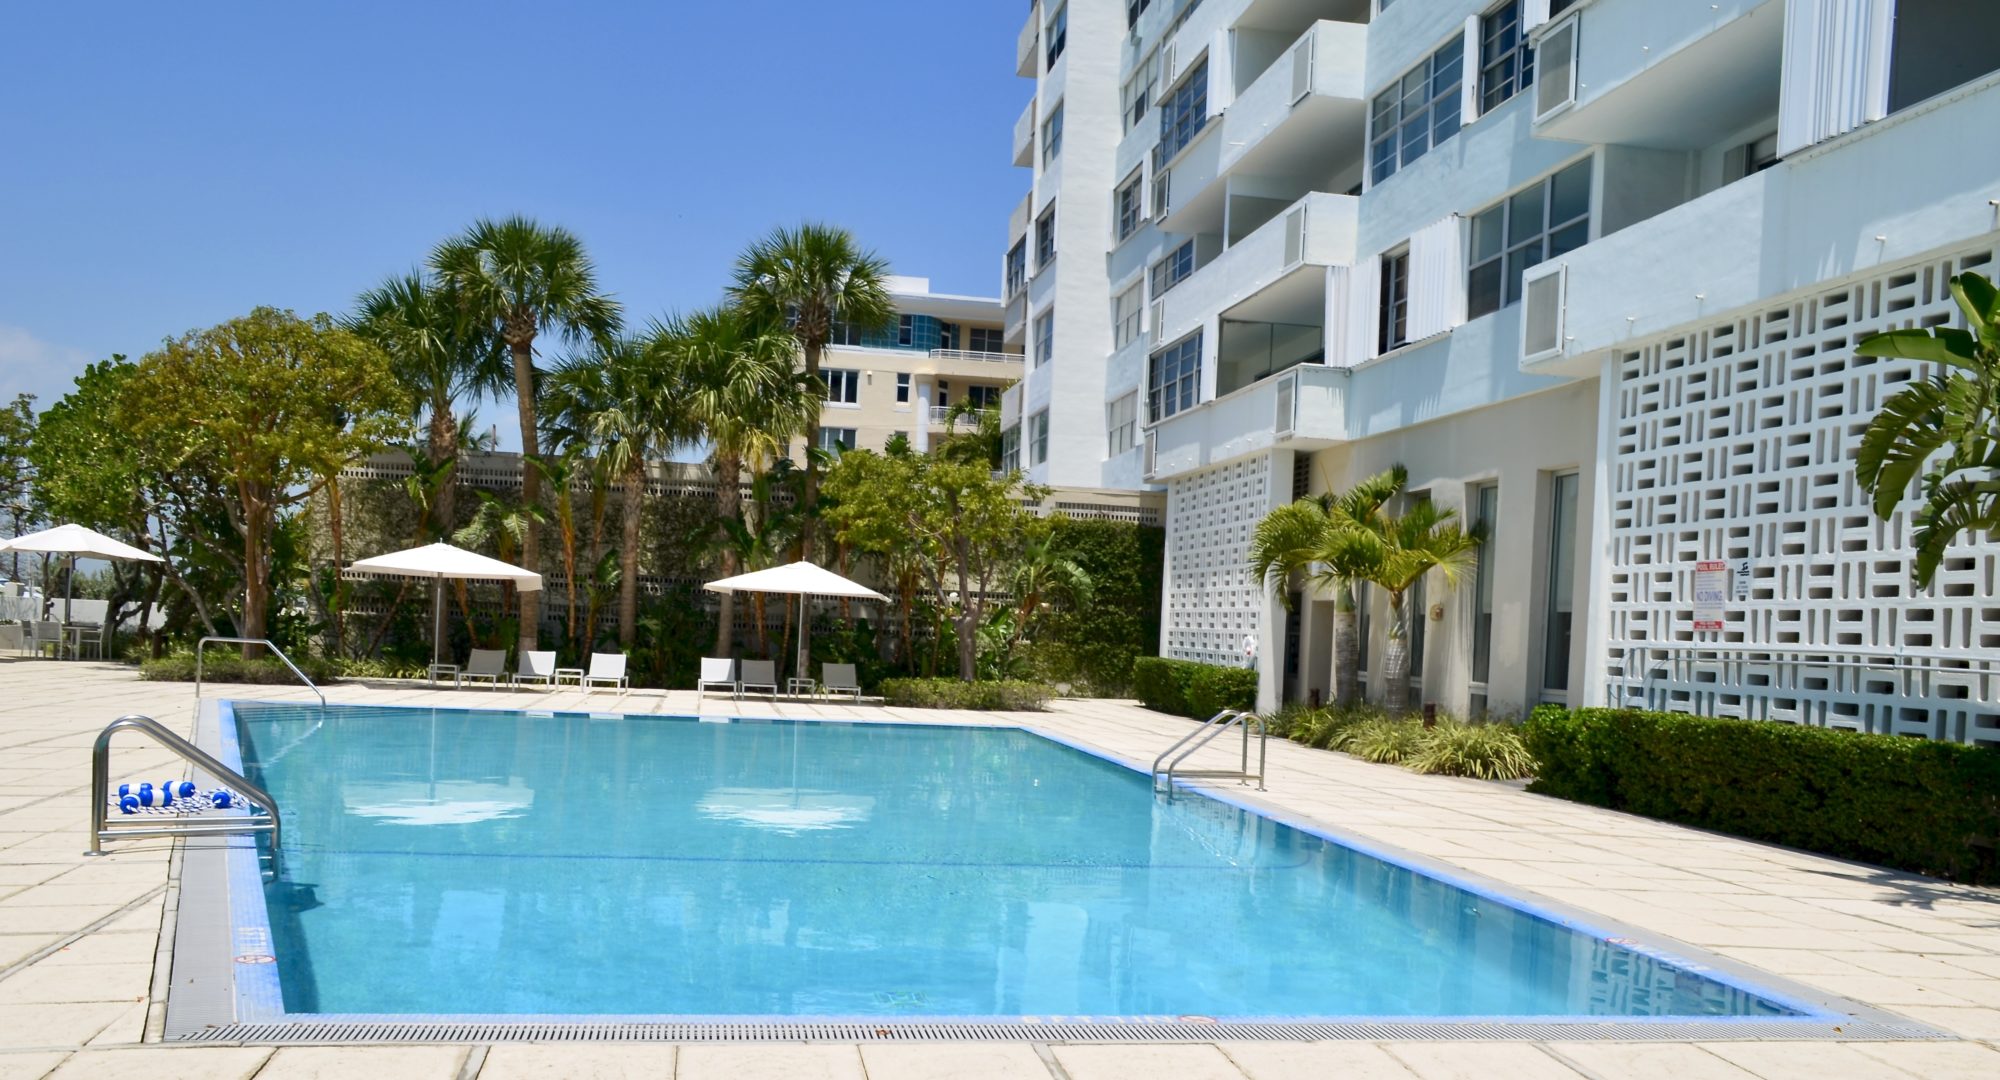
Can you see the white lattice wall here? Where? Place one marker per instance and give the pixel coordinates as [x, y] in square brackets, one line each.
[1212, 600]
[1736, 441]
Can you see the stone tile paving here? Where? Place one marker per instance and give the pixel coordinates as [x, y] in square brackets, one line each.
[79, 994]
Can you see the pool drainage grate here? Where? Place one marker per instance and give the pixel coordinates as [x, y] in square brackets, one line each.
[349, 1032]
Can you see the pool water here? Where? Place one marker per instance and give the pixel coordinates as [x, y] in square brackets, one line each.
[481, 862]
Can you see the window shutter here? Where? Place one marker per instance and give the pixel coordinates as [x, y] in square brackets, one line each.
[1295, 235]
[1468, 73]
[1361, 287]
[1542, 313]
[1437, 278]
[1534, 13]
[1302, 69]
[1555, 79]
[1835, 76]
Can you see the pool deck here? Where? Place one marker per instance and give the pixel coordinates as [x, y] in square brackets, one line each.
[82, 981]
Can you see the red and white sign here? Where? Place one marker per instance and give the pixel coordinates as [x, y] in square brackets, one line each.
[1711, 592]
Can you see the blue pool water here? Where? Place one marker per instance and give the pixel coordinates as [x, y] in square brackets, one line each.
[501, 863]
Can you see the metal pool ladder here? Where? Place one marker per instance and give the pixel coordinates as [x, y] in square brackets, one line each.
[266, 642]
[263, 816]
[1167, 765]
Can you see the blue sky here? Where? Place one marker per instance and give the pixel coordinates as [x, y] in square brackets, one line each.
[167, 166]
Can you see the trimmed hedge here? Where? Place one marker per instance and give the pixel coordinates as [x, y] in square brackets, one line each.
[228, 667]
[1007, 695]
[1191, 689]
[1915, 804]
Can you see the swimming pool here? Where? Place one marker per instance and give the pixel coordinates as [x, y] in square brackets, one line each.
[454, 862]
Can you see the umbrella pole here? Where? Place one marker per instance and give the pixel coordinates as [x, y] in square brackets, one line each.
[437, 622]
[805, 631]
[69, 586]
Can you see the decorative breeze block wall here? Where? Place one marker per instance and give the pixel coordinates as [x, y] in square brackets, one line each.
[1212, 600]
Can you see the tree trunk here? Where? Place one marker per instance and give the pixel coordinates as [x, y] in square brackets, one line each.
[255, 584]
[338, 616]
[531, 485]
[1347, 647]
[728, 507]
[444, 445]
[809, 504]
[628, 558]
[1396, 661]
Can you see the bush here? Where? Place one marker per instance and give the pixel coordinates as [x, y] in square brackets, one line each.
[228, 667]
[1480, 751]
[1187, 688]
[1916, 804]
[1092, 646]
[998, 696]
[1385, 741]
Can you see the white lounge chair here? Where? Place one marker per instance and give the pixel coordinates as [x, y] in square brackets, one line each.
[607, 669]
[839, 679]
[537, 667]
[488, 664]
[716, 671]
[759, 675]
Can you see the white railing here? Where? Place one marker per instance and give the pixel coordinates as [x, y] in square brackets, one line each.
[976, 354]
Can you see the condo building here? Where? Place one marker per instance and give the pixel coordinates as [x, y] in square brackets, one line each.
[1593, 271]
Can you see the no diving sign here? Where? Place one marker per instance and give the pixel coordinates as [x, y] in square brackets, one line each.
[1711, 592]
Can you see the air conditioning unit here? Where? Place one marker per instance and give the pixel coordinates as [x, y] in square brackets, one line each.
[1555, 83]
[1542, 313]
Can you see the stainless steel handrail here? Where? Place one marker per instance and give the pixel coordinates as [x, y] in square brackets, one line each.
[264, 809]
[266, 642]
[1194, 740]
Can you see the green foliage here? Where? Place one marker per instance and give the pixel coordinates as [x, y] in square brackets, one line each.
[1492, 751]
[1092, 646]
[1484, 751]
[1386, 741]
[1191, 689]
[1915, 804]
[1942, 432]
[1008, 695]
[227, 667]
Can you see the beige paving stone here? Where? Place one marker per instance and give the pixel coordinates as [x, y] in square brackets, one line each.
[1680, 1061]
[599, 1061]
[374, 1062]
[1806, 1061]
[128, 1030]
[52, 920]
[1937, 1060]
[33, 1026]
[948, 1061]
[16, 947]
[154, 1063]
[769, 1061]
[46, 983]
[29, 1065]
[130, 947]
[1285, 1061]
[1480, 1061]
[1102, 1062]
[1965, 1021]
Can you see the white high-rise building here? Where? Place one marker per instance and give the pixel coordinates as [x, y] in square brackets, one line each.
[1592, 270]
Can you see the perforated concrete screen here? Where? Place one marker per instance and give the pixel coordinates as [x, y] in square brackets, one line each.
[1736, 442]
[1212, 600]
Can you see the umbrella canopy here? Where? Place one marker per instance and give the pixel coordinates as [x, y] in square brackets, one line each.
[795, 579]
[76, 540]
[439, 562]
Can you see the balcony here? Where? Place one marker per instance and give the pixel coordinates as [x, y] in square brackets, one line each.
[1664, 76]
[1024, 47]
[1302, 409]
[1024, 136]
[976, 356]
[1276, 273]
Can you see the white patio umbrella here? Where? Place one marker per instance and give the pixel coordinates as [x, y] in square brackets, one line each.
[800, 579]
[74, 540]
[437, 562]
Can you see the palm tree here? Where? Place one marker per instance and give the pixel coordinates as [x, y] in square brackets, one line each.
[1313, 538]
[815, 279]
[519, 279]
[1945, 428]
[443, 358]
[505, 524]
[1401, 549]
[1041, 575]
[734, 374]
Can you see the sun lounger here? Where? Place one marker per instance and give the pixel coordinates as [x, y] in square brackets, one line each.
[536, 667]
[607, 669]
[839, 679]
[488, 664]
[759, 675]
[716, 671]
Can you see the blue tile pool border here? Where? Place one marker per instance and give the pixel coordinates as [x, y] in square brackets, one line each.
[261, 1015]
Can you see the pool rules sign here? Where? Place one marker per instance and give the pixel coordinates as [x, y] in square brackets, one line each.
[1711, 592]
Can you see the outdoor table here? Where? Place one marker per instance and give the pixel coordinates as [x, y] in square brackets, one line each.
[800, 686]
[573, 674]
[439, 671]
[76, 633]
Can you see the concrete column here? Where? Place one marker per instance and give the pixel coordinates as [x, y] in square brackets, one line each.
[1271, 612]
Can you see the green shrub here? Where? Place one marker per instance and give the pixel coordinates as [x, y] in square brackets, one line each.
[1191, 689]
[1915, 804]
[997, 696]
[1385, 741]
[1091, 646]
[228, 667]
[1492, 751]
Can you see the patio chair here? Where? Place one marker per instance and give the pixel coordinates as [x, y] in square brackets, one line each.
[14, 637]
[839, 679]
[716, 671]
[607, 669]
[488, 664]
[759, 675]
[48, 636]
[537, 667]
[84, 636]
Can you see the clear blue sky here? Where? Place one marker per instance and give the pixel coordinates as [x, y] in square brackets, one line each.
[167, 166]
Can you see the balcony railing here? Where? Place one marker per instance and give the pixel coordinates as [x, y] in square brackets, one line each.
[977, 354]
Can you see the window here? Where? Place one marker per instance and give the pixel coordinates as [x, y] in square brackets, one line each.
[902, 388]
[947, 335]
[1052, 136]
[842, 387]
[1538, 223]
[1125, 315]
[1045, 337]
[1486, 510]
[1017, 267]
[1417, 611]
[1133, 9]
[1173, 268]
[1038, 437]
[1137, 94]
[1010, 449]
[906, 330]
[1160, 183]
[1183, 114]
[1417, 113]
[983, 397]
[1058, 34]
[988, 339]
[1393, 326]
[834, 440]
[1560, 610]
[1751, 158]
[1506, 60]
[1121, 424]
[943, 399]
[1174, 382]
[1130, 204]
[1045, 239]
